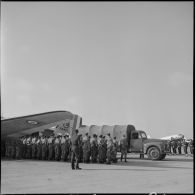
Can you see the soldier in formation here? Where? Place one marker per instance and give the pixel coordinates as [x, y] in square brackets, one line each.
[94, 149]
[114, 150]
[191, 145]
[109, 148]
[86, 148]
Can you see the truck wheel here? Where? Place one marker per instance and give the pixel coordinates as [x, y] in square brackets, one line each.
[153, 153]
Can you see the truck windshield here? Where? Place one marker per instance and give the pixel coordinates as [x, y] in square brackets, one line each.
[143, 135]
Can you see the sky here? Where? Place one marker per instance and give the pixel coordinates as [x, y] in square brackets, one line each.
[112, 63]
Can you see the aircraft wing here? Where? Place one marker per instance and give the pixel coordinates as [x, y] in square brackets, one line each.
[175, 137]
[16, 127]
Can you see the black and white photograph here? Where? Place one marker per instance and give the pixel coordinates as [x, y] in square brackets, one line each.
[97, 97]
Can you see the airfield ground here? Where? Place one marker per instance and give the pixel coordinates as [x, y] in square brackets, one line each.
[172, 175]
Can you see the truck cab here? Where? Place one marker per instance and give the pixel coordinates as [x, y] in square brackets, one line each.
[155, 149]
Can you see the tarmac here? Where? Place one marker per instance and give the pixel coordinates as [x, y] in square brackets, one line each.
[174, 174]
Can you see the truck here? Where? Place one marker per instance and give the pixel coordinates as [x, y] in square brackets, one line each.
[138, 142]
[155, 149]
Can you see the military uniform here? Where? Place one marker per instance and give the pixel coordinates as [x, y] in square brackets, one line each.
[8, 146]
[80, 149]
[13, 148]
[63, 140]
[2, 148]
[18, 149]
[191, 145]
[174, 146]
[185, 145]
[50, 148]
[101, 151]
[34, 148]
[114, 151]
[39, 149]
[44, 148]
[75, 151]
[179, 144]
[67, 148]
[94, 150]
[109, 149]
[29, 149]
[124, 148]
[57, 149]
[169, 147]
[104, 149]
[86, 150]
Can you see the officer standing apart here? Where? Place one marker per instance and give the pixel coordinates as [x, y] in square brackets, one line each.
[75, 150]
[124, 148]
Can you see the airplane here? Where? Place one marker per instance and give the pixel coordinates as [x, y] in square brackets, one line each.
[57, 121]
[175, 137]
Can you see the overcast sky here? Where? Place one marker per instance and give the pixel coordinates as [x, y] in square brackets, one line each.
[109, 62]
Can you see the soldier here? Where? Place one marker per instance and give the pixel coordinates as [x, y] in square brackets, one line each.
[2, 148]
[174, 146]
[68, 138]
[63, 140]
[94, 149]
[101, 149]
[57, 148]
[8, 148]
[75, 150]
[191, 145]
[185, 147]
[80, 149]
[104, 148]
[18, 148]
[114, 150]
[13, 148]
[24, 146]
[39, 148]
[86, 148]
[169, 146]
[34, 139]
[67, 148]
[43, 148]
[179, 144]
[50, 148]
[109, 148]
[29, 149]
[123, 148]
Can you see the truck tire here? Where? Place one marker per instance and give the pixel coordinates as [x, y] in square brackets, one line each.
[162, 156]
[154, 153]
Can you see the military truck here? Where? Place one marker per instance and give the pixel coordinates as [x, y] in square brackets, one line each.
[155, 149]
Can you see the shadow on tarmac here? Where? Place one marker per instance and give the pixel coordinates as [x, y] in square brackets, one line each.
[121, 169]
[149, 163]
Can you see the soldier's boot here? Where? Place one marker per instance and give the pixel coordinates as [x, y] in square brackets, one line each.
[78, 168]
